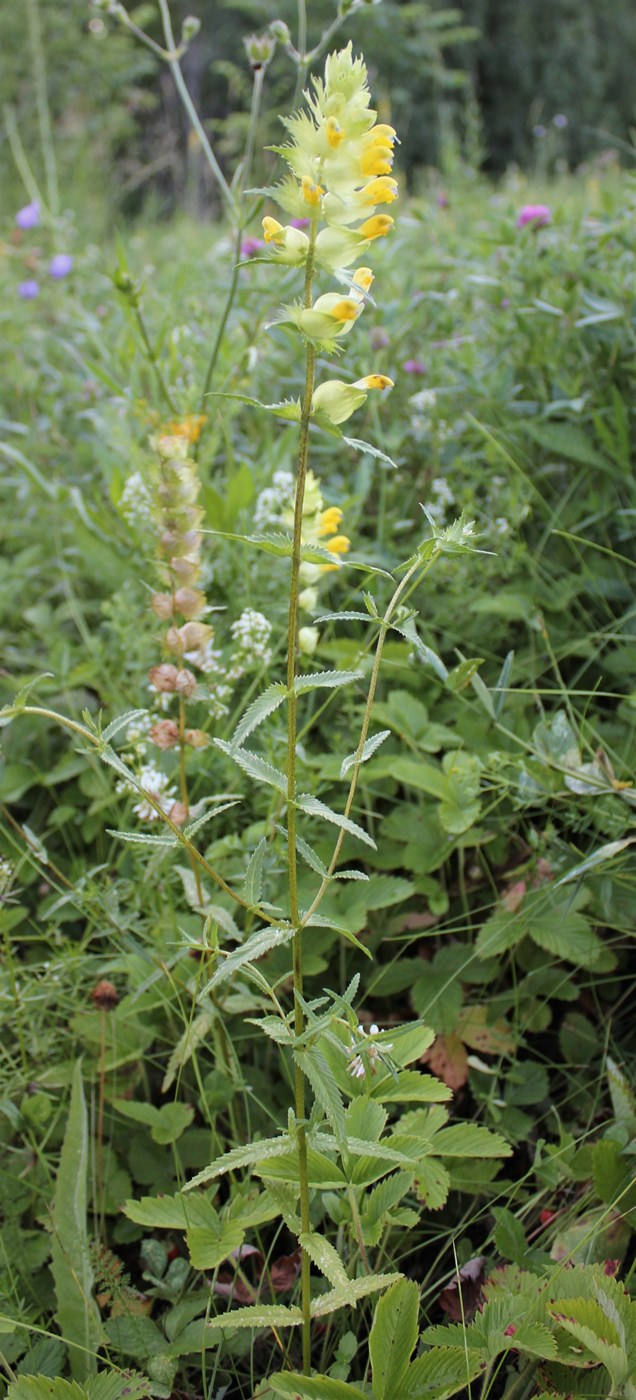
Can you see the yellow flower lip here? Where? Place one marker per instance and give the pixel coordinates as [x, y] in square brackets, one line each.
[377, 161]
[311, 190]
[272, 230]
[334, 132]
[363, 277]
[374, 381]
[345, 310]
[329, 521]
[375, 227]
[380, 191]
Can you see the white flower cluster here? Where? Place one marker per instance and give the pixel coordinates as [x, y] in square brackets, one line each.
[273, 503]
[440, 499]
[7, 871]
[135, 502]
[251, 633]
[157, 785]
[371, 1053]
[136, 735]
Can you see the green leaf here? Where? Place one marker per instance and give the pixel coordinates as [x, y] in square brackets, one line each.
[470, 1140]
[259, 709]
[588, 1323]
[440, 1373]
[166, 1212]
[510, 1236]
[385, 891]
[254, 948]
[325, 1257]
[357, 1288]
[77, 1312]
[254, 1152]
[367, 751]
[623, 1100]
[142, 838]
[174, 1118]
[255, 766]
[328, 680]
[253, 882]
[359, 445]
[315, 808]
[314, 1387]
[208, 1245]
[566, 440]
[432, 1183]
[323, 1083]
[393, 1337]
[263, 1315]
[194, 1034]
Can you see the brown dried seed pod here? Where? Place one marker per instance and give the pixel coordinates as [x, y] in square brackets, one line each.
[186, 683]
[105, 995]
[189, 601]
[163, 605]
[178, 813]
[196, 738]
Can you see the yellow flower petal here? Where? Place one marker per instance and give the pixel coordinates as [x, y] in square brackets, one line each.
[334, 132]
[273, 232]
[374, 381]
[375, 227]
[381, 191]
[313, 193]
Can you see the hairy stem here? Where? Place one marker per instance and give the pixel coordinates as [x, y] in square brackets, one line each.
[292, 729]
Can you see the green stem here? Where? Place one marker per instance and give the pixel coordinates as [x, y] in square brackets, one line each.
[42, 100]
[292, 730]
[180, 84]
[366, 719]
[165, 393]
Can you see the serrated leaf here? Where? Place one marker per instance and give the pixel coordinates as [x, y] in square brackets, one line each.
[368, 749]
[510, 1236]
[359, 445]
[313, 807]
[209, 1245]
[253, 881]
[357, 1288]
[320, 1076]
[195, 1032]
[259, 710]
[254, 948]
[263, 1315]
[432, 1183]
[393, 1337]
[256, 767]
[470, 1140]
[623, 1100]
[120, 723]
[191, 829]
[327, 680]
[77, 1312]
[142, 838]
[325, 1257]
[165, 1212]
[314, 1387]
[254, 1152]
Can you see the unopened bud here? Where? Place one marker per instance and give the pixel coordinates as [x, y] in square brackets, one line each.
[189, 29]
[280, 30]
[308, 599]
[196, 738]
[186, 683]
[308, 640]
[259, 49]
[162, 605]
[165, 734]
[186, 569]
[189, 601]
[164, 677]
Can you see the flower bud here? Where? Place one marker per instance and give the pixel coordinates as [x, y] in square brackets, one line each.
[190, 637]
[196, 738]
[165, 734]
[189, 601]
[259, 49]
[280, 30]
[186, 569]
[189, 29]
[308, 640]
[164, 677]
[105, 995]
[185, 683]
[308, 599]
[162, 605]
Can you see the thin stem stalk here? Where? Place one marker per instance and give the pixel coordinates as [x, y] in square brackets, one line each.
[181, 86]
[292, 731]
[43, 110]
[149, 348]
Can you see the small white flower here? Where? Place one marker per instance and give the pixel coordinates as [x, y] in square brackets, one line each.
[275, 501]
[7, 871]
[135, 502]
[370, 1054]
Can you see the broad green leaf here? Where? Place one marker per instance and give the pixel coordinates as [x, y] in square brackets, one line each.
[327, 680]
[367, 752]
[432, 1183]
[622, 1096]
[510, 1237]
[263, 1315]
[470, 1140]
[567, 439]
[323, 1173]
[409, 1086]
[315, 808]
[314, 1387]
[169, 1212]
[393, 1337]
[77, 1311]
[385, 891]
[587, 1322]
[503, 930]
[440, 1373]
[379, 1202]
[209, 1245]
[259, 709]
[254, 948]
[256, 767]
[357, 1288]
[174, 1118]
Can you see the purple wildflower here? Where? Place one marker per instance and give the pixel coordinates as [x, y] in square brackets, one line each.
[29, 290]
[299, 223]
[414, 367]
[28, 216]
[251, 246]
[504, 303]
[560, 121]
[539, 215]
[442, 200]
[378, 337]
[60, 265]
[539, 131]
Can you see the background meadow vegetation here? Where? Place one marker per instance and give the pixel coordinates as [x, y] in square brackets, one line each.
[499, 907]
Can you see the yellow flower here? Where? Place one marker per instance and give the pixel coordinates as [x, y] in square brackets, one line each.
[334, 132]
[189, 428]
[312, 192]
[272, 230]
[340, 544]
[329, 520]
[376, 227]
[380, 191]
